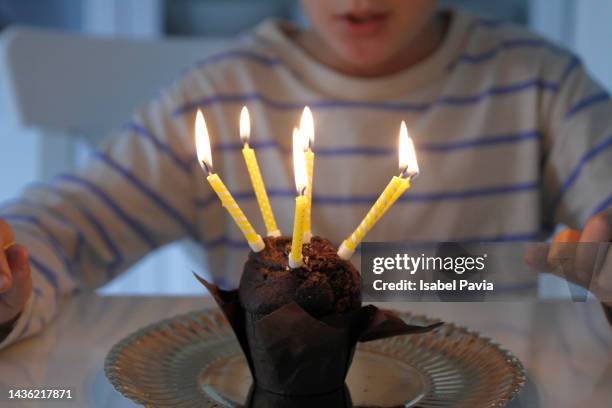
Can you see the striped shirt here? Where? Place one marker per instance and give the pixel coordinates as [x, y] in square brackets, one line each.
[513, 137]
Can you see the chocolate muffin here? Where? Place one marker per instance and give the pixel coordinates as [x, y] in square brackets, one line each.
[298, 328]
[324, 285]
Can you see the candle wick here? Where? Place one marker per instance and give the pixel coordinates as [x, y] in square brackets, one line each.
[405, 174]
[207, 168]
[245, 141]
[303, 191]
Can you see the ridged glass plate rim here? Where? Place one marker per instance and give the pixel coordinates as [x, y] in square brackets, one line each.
[223, 330]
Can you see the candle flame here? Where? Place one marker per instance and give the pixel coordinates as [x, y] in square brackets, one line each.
[202, 141]
[307, 128]
[408, 164]
[245, 125]
[299, 162]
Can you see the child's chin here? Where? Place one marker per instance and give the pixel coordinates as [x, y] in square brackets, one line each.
[368, 52]
[367, 60]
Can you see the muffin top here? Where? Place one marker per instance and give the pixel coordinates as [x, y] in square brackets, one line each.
[325, 284]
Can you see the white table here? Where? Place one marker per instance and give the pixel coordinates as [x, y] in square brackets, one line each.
[566, 347]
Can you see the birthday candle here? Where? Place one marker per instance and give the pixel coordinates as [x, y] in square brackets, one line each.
[205, 159]
[396, 187]
[301, 184]
[255, 174]
[307, 131]
[408, 164]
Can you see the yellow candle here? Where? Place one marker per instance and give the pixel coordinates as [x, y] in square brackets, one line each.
[254, 240]
[396, 187]
[382, 204]
[295, 257]
[205, 159]
[401, 188]
[301, 184]
[308, 214]
[408, 164]
[307, 132]
[255, 174]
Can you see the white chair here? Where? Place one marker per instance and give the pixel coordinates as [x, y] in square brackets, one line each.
[80, 86]
[74, 89]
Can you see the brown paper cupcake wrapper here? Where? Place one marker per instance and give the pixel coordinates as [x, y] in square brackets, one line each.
[291, 353]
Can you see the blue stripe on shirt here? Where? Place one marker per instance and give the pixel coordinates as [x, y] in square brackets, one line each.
[229, 55]
[162, 147]
[97, 225]
[471, 193]
[452, 100]
[514, 237]
[49, 274]
[137, 227]
[57, 246]
[205, 202]
[79, 249]
[487, 23]
[587, 102]
[584, 160]
[469, 58]
[238, 54]
[604, 205]
[58, 216]
[573, 63]
[225, 241]
[515, 43]
[26, 327]
[432, 147]
[153, 196]
[370, 199]
[480, 141]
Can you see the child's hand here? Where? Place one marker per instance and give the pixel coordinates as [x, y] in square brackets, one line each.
[589, 265]
[15, 277]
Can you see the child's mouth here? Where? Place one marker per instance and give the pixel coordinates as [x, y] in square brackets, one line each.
[363, 23]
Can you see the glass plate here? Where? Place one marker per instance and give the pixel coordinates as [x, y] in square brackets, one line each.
[193, 360]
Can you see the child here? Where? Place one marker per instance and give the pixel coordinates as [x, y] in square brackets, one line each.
[513, 137]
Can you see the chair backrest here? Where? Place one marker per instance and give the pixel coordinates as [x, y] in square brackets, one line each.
[74, 84]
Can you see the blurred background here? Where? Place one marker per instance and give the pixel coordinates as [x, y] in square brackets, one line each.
[42, 136]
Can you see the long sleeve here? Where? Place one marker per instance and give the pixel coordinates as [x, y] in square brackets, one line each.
[85, 227]
[578, 143]
[578, 164]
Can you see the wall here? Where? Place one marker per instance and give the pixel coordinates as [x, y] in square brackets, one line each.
[593, 37]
